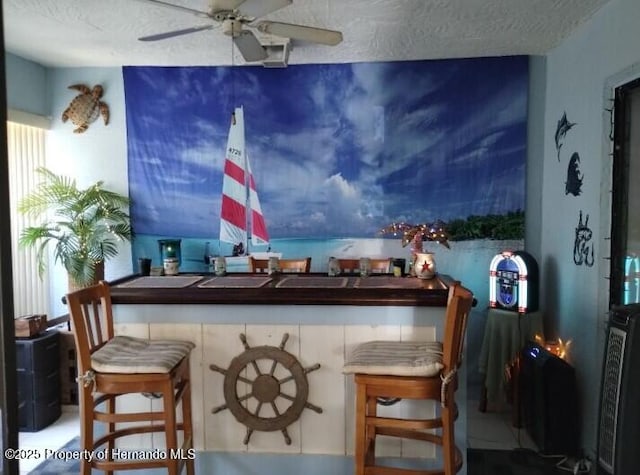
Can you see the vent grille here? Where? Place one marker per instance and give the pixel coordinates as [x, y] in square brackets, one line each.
[610, 397]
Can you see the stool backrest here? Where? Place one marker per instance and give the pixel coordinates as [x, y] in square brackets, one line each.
[457, 315]
[352, 266]
[302, 265]
[92, 321]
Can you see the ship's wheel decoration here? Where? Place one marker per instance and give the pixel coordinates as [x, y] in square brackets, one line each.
[266, 388]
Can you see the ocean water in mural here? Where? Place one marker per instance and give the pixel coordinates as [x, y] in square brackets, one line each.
[467, 260]
[195, 253]
[336, 150]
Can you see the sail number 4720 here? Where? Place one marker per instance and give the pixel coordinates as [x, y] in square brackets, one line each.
[234, 151]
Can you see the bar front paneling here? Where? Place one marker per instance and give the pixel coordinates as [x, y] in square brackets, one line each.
[324, 323]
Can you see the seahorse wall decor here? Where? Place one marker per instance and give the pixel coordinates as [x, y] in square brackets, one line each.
[582, 246]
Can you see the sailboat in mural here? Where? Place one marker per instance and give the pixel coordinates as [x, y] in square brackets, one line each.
[242, 223]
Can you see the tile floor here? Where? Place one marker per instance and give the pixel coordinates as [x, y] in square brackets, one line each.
[488, 430]
[494, 430]
[52, 437]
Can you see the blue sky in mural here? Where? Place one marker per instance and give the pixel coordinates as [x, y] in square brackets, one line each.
[337, 150]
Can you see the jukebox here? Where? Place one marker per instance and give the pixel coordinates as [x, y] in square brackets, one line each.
[513, 282]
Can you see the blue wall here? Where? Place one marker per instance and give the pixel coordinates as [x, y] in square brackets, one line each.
[100, 154]
[578, 76]
[27, 86]
[582, 73]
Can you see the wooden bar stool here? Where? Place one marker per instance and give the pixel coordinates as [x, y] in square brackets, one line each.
[410, 370]
[302, 265]
[352, 266]
[111, 366]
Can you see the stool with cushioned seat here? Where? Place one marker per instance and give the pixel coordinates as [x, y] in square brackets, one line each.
[410, 370]
[111, 366]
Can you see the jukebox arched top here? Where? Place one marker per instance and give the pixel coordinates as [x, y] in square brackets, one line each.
[513, 282]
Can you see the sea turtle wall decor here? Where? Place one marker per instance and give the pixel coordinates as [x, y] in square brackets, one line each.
[266, 388]
[85, 107]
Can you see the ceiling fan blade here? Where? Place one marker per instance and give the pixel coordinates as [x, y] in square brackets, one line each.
[300, 32]
[224, 5]
[171, 34]
[260, 8]
[172, 6]
[249, 46]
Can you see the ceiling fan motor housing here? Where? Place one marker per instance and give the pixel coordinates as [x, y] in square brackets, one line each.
[232, 14]
[232, 27]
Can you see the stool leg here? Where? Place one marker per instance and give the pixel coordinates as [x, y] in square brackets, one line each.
[360, 429]
[86, 426]
[370, 433]
[111, 427]
[187, 423]
[169, 407]
[448, 439]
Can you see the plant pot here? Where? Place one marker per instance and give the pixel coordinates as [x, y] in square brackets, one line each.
[425, 265]
[97, 277]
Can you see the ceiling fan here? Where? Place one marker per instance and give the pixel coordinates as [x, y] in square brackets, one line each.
[235, 15]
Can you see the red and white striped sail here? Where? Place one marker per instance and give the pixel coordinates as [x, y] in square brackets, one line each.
[259, 233]
[240, 211]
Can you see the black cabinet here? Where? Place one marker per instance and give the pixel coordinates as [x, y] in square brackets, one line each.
[37, 364]
[549, 401]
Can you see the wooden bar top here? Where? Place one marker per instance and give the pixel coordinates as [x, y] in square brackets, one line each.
[282, 289]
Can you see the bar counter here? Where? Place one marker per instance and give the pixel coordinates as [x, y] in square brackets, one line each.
[323, 317]
[286, 289]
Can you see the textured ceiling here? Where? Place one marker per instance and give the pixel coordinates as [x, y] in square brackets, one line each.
[105, 32]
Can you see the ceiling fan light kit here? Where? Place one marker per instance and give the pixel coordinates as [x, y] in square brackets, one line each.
[277, 52]
[238, 17]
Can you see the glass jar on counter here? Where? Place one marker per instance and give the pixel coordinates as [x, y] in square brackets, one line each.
[171, 266]
[334, 267]
[220, 266]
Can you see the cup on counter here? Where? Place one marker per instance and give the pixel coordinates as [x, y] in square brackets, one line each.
[273, 265]
[157, 271]
[334, 267]
[219, 265]
[171, 266]
[365, 266]
[144, 266]
[398, 267]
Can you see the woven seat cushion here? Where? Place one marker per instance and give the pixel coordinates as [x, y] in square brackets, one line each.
[396, 358]
[125, 354]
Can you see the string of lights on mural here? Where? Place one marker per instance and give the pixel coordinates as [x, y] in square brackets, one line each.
[435, 231]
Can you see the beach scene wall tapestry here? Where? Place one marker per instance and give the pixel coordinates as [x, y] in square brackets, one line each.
[329, 153]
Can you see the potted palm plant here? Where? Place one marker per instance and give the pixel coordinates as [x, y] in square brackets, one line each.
[85, 226]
